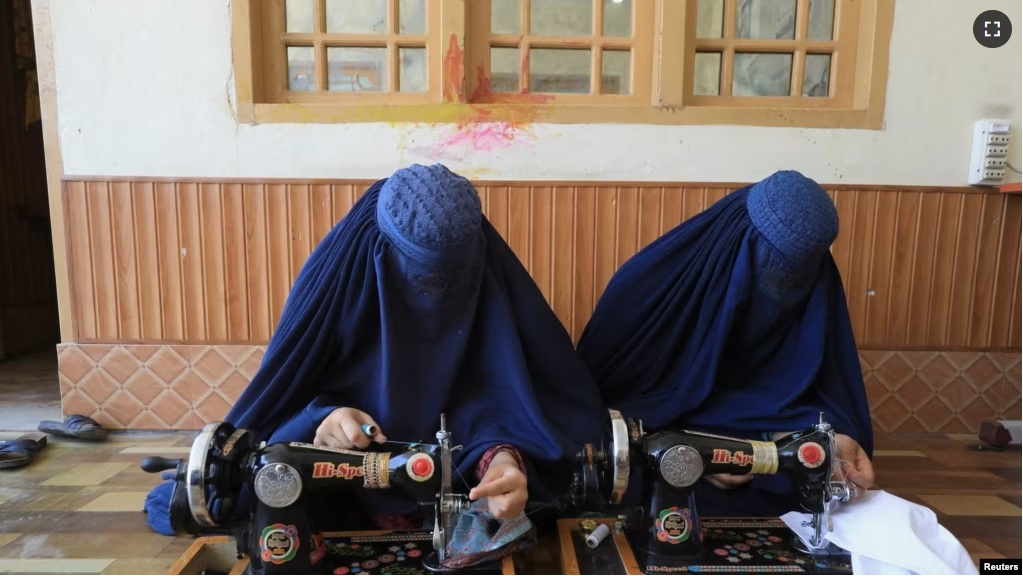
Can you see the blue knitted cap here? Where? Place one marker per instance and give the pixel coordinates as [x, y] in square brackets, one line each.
[429, 213]
[795, 215]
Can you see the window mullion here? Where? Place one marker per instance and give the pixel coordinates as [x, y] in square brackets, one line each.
[525, 30]
[728, 55]
[596, 49]
[799, 55]
[670, 69]
[320, 65]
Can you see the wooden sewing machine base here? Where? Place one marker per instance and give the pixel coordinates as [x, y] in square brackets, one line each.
[356, 553]
[733, 546]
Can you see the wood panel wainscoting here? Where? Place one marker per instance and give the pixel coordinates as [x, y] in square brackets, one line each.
[177, 285]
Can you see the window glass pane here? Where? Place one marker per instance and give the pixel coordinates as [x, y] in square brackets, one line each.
[301, 72]
[761, 74]
[559, 70]
[412, 74]
[822, 20]
[817, 75]
[298, 16]
[561, 17]
[357, 16]
[412, 17]
[357, 69]
[710, 18]
[504, 17]
[767, 19]
[504, 70]
[618, 18]
[707, 74]
[614, 73]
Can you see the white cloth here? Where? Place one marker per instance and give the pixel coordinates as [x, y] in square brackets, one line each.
[886, 534]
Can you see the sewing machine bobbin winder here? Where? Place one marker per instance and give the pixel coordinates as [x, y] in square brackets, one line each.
[279, 536]
[666, 534]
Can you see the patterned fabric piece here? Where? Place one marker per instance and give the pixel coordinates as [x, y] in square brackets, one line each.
[479, 537]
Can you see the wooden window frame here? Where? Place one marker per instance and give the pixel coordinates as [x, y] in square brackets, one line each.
[275, 65]
[641, 45]
[458, 42]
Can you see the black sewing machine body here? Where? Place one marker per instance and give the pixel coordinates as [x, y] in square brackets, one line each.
[279, 533]
[667, 535]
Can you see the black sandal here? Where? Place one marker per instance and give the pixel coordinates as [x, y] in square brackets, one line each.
[75, 426]
[20, 451]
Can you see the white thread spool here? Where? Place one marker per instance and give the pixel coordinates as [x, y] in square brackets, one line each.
[597, 536]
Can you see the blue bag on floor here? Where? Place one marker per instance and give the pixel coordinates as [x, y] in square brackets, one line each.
[157, 506]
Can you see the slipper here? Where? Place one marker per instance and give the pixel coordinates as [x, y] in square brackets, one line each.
[74, 426]
[20, 451]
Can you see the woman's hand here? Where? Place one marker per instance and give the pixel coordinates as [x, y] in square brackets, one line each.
[504, 487]
[855, 464]
[343, 429]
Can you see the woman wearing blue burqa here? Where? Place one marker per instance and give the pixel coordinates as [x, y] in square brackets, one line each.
[735, 322]
[413, 306]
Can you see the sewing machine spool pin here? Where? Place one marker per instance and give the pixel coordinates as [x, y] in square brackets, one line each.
[449, 504]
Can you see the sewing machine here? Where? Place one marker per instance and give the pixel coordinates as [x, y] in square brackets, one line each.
[280, 536]
[669, 536]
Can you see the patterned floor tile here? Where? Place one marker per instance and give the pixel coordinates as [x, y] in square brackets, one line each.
[979, 550]
[899, 453]
[116, 502]
[65, 522]
[156, 450]
[138, 566]
[1008, 547]
[54, 501]
[87, 474]
[962, 505]
[90, 544]
[55, 565]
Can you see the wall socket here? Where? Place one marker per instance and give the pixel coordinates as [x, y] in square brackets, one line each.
[988, 157]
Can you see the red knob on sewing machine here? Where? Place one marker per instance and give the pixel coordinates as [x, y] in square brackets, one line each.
[420, 467]
[811, 455]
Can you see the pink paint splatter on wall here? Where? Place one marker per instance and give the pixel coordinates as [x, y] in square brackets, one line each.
[461, 142]
[484, 137]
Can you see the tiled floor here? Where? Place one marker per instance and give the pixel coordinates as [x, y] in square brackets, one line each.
[29, 391]
[77, 508]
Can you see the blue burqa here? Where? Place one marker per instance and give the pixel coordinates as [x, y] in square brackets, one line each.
[413, 305]
[735, 322]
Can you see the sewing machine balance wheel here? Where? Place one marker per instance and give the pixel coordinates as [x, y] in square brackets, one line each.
[616, 447]
[211, 450]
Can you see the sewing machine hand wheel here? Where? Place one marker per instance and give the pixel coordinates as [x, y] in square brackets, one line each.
[615, 449]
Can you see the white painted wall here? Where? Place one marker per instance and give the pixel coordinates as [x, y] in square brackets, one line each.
[145, 89]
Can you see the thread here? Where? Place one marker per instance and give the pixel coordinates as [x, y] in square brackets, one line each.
[597, 536]
[765, 457]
